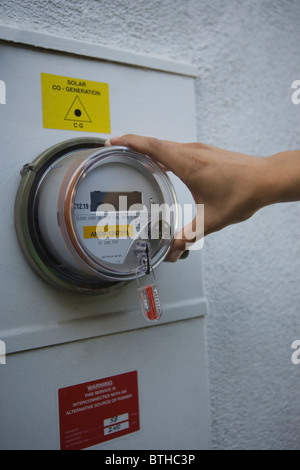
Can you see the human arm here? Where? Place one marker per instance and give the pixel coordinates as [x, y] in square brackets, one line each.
[231, 185]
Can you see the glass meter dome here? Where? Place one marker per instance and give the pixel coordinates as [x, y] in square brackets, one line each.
[96, 215]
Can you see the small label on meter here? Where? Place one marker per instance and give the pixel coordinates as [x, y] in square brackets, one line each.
[108, 231]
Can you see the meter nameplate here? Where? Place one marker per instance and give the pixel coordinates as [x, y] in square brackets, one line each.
[111, 236]
[75, 104]
[109, 241]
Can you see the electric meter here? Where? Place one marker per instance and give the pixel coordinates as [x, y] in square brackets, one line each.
[89, 217]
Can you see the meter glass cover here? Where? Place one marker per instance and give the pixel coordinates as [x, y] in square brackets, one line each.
[95, 207]
[106, 239]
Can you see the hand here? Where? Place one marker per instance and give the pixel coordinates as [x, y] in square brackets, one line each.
[232, 186]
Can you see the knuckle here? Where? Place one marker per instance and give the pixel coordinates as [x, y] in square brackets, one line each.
[155, 143]
[128, 138]
[202, 146]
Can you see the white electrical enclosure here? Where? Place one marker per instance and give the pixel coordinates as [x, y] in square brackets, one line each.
[57, 340]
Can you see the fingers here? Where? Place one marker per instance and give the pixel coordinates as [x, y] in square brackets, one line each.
[175, 252]
[167, 153]
[180, 244]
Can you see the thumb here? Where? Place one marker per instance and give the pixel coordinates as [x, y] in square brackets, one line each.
[186, 237]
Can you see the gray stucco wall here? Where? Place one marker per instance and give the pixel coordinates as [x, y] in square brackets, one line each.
[247, 54]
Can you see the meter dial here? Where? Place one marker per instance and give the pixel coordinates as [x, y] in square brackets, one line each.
[90, 212]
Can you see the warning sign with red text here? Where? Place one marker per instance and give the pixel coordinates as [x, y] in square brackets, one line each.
[95, 412]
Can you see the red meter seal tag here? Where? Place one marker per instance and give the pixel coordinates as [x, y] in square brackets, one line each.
[150, 302]
[149, 297]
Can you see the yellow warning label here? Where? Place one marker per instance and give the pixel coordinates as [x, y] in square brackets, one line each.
[74, 104]
[108, 231]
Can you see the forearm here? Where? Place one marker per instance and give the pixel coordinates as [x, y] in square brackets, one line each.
[282, 177]
[232, 186]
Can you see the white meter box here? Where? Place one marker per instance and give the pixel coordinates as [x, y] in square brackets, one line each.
[79, 319]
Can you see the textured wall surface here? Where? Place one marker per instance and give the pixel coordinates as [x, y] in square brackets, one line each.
[247, 54]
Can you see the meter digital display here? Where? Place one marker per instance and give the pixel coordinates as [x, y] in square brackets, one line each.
[100, 197]
[86, 215]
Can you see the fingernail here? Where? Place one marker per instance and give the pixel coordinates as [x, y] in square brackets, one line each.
[116, 137]
[109, 141]
[174, 256]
